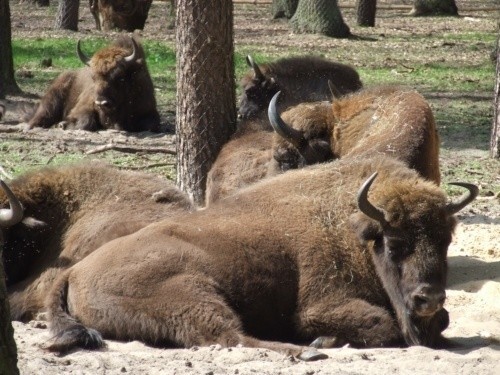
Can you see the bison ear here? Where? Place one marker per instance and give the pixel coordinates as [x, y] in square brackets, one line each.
[365, 228]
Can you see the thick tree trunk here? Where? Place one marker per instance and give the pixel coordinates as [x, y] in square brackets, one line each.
[434, 7]
[67, 15]
[206, 112]
[320, 17]
[283, 8]
[8, 350]
[495, 131]
[8, 83]
[366, 10]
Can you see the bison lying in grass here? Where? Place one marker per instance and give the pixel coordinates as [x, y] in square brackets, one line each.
[114, 91]
[293, 259]
[69, 212]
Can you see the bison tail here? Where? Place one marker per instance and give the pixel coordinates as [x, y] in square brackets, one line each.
[67, 332]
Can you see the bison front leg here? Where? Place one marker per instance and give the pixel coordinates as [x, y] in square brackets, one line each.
[354, 321]
[83, 116]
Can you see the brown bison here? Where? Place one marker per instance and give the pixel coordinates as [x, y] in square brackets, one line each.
[114, 91]
[300, 79]
[70, 211]
[381, 120]
[296, 258]
[126, 15]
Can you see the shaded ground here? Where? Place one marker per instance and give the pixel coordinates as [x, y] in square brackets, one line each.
[398, 43]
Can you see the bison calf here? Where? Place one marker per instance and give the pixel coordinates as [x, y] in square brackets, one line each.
[114, 91]
[327, 254]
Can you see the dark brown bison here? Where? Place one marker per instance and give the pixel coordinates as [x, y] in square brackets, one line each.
[70, 211]
[382, 120]
[297, 258]
[300, 79]
[114, 91]
[126, 15]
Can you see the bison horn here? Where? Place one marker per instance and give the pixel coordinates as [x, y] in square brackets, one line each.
[14, 214]
[365, 206]
[334, 91]
[133, 55]
[453, 207]
[81, 55]
[255, 67]
[292, 135]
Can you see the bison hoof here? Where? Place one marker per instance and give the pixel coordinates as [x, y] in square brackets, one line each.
[324, 342]
[312, 355]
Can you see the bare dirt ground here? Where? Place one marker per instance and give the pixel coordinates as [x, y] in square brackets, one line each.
[474, 256]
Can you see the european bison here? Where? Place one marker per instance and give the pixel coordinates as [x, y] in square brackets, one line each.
[114, 91]
[126, 15]
[300, 79]
[381, 120]
[70, 211]
[296, 258]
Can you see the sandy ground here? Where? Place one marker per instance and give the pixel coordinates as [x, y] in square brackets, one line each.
[473, 302]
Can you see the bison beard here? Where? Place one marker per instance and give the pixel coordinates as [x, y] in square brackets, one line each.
[114, 91]
[333, 271]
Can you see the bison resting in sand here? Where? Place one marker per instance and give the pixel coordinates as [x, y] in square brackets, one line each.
[297, 258]
[381, 120]
[69, 212]
[300, 79]
[114, 91]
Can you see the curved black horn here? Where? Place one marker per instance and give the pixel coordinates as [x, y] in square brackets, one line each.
[365, 206]
[81, 55]
[453, 207]
[133, 55]
[292, 135]
[255, 67]
[14, 214]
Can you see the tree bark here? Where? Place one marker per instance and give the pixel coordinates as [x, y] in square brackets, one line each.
[365, 11]
[283, 8]
[67, 15]
[206, 111]
[8, 83]
[8, 349]
[319, 17]
[495, 131]
[434, 7]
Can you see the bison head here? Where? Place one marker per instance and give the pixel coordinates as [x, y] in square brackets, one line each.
[257, 92]
[309, 145]
[409, 239]
[126, 15]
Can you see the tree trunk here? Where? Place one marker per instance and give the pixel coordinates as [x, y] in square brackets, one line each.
[434, 7]
[8, 83]
[319, 17]
[495, 131]
[366, 10]
[283, 8]
[67, 15]
[206, 111]
[8, 350]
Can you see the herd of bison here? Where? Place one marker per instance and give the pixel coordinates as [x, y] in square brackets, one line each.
[324, 222]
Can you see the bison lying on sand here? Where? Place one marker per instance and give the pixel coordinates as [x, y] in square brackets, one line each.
[300, 79]
[381, 120]
[296, 258]
[69, 212]
[114, 91]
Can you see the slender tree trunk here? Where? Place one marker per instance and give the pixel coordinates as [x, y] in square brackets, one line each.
[206, 112]
[320, 17]
[283, 8]
[67, 15]
[495, 131]
[434, 7]
[8, 349]
[366, 10]
[8, 83]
